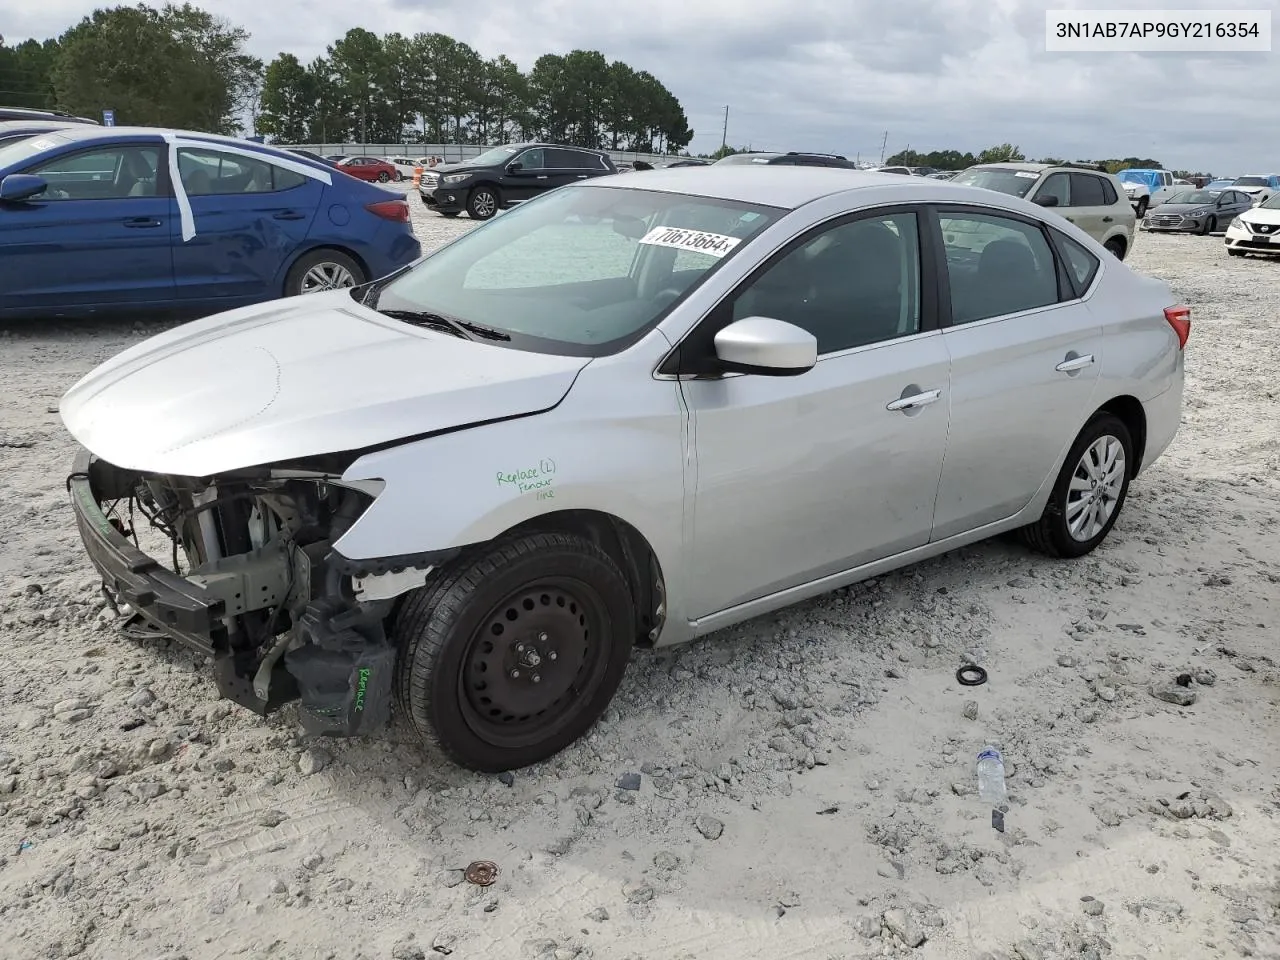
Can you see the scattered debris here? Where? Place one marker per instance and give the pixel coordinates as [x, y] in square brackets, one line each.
[971, 710]
[1202, 804]
[971, 675]
[1172, 693]
[629, 781]
[482, 873]
[709, 827]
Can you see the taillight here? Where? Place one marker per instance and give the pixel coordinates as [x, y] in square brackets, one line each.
[397, 210]
[1180, 319]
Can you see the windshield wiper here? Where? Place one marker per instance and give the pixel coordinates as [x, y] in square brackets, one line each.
[461, 328]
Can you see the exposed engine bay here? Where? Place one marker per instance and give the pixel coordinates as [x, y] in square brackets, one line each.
[254, 583]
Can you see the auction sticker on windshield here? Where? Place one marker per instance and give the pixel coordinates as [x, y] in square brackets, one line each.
[715, 244]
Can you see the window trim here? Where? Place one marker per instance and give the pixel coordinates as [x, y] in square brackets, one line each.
[1082, 291]
[675, 366]
[1066, 289]
[1107, 185]
[163, 187]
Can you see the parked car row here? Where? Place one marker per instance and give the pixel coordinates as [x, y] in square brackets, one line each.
[92, 219]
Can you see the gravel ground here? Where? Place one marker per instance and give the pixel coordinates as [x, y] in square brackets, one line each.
[800, 786]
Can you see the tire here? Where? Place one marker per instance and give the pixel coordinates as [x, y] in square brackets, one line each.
[399, 176]
[1210, 225]
[339, 269]
[483, 203]
[1235, 253]
[1051, 534]
[1117, 247]
[1143, 203]
[493, 634]
[384, 177]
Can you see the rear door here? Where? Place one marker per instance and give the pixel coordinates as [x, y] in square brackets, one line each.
[1088, 209]
[250, 218]
[565, 166]
[99, 235]
[1025, 354]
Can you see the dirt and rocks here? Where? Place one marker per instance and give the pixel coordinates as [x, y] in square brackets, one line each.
[800, 786]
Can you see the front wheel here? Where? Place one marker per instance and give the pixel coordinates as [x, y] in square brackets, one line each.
[514, 652]
[1209, 227]
[323, 270]
[1090, 490]
[1235, 253]
[482, 204]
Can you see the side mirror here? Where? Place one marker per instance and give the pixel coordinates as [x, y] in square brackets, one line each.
[21, 186]
[1048, 200]
[766, 346]
[515, 167]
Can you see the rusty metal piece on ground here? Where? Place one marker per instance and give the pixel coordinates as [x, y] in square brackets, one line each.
[482, 873]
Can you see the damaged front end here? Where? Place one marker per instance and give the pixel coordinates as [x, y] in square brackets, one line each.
[254, 583]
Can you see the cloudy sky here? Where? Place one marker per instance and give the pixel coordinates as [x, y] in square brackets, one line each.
[837, 75]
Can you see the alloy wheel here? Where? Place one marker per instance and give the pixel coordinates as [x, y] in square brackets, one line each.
[327, 275]
[1095, 488]
[484, 204]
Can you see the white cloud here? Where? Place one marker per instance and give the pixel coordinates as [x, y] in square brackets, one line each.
[831, 75]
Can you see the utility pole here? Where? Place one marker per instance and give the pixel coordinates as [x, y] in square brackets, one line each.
[883, 143]
[724, 137]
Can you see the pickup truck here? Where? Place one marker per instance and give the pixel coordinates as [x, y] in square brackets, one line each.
[1149, 188]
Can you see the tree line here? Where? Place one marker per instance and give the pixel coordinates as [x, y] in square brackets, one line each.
[1006, 152]
[180, 66]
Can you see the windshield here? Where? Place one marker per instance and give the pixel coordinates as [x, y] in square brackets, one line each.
[14, 152]
[582, 271]
[1271, 203]
[1250, 182]
[1013, 182]
[492, 157]
[1134, 176]
[1195, 196]
[736, 158]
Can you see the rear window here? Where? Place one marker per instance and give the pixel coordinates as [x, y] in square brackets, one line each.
[1016, 183]
[1086, 191]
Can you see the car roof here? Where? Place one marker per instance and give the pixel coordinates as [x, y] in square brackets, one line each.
[84, 133]
[789, 187]
[1012, 165]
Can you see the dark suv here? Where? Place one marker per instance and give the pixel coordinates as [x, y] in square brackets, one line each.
[790, 159]
[508, 175]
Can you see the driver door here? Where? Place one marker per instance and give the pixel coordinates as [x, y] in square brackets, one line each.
[98, 236]
[530, 180]
[797, 478]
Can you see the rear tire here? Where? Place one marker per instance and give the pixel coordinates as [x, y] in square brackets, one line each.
[384, 177]
[1117, 247]
[322, 270]
[1089, 493]
[513, 652]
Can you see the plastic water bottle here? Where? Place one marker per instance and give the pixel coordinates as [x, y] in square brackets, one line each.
[991, 787]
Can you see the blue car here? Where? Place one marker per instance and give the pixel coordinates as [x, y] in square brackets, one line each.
[103, 219]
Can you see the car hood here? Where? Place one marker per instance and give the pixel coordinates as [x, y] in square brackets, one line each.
[1252, 190]
[1261, 215]
[1185, 209]
[308, 375]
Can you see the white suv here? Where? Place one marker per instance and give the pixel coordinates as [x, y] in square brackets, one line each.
[1087, 195]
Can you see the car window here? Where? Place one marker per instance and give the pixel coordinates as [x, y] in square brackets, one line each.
[558, 159]
[1056, 185]
[212, 173]
[1109, 195]
[106, 173]
[1082, 264]
[853, 284]
[533, 159]
[579, 271]
[997, 265]
[1086, 191]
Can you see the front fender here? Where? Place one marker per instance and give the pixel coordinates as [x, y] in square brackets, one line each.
[623, 458]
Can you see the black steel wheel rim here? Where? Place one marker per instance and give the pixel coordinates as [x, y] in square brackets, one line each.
[535, 660]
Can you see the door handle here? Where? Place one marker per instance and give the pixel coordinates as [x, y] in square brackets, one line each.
[1071, 364]
[918, 400]
[542, 176]
[142, 222]
[1106, 219]
[582, 176]
[289, 215]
